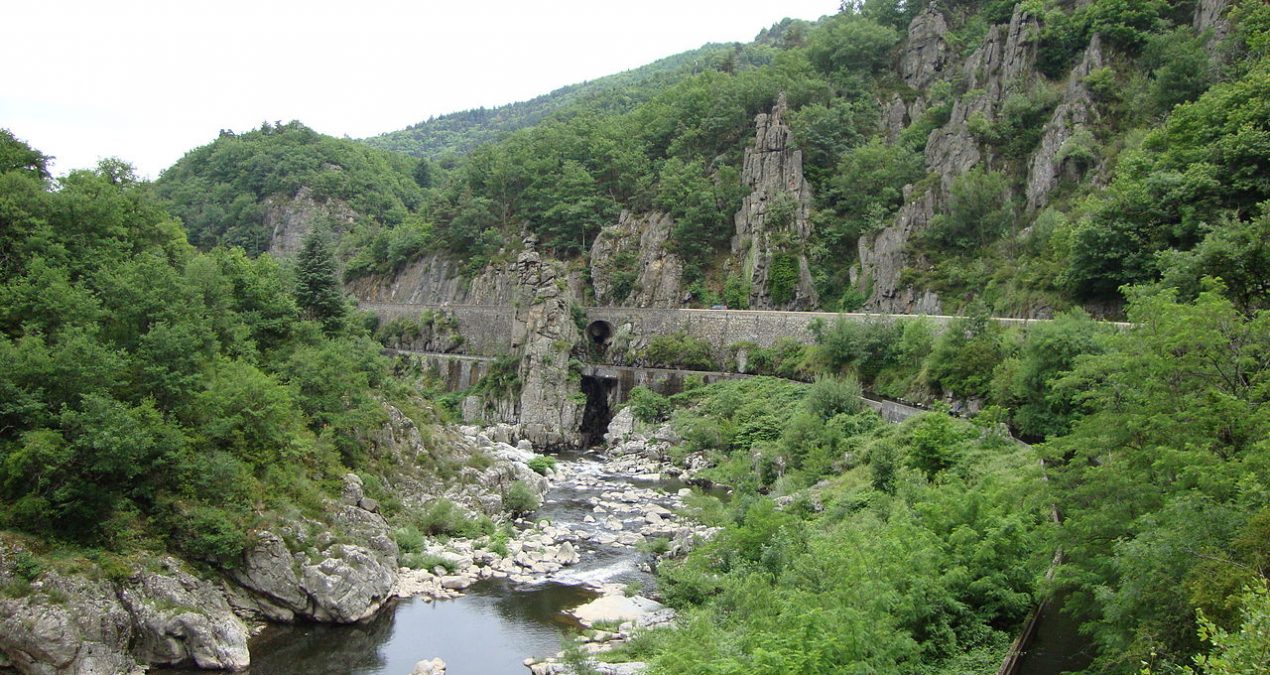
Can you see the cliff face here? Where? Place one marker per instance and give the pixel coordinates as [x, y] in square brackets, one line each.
[1074, 117]
[1002, 65]
[774, 224]
[545, 336]
[438, 280]
[631, 265]
[290, 220]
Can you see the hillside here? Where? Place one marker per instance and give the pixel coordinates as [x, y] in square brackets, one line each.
[201, 431]
[460, 132]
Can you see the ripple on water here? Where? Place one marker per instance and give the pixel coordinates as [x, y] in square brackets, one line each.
[490, 630]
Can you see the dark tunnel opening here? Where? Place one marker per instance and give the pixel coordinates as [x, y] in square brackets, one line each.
[597, 415]
[599, 333]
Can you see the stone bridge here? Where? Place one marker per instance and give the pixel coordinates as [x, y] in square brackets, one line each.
[463, 342]
[487, 330]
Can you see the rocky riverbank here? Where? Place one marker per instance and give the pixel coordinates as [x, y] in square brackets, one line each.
[344, 566]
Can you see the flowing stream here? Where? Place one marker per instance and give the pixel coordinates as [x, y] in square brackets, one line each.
[496, 624]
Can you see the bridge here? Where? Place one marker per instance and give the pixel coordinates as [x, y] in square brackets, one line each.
[488, 330]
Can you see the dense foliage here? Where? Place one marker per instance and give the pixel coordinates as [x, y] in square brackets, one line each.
[920, 552]
[856, 546]
[224, 191]
[153, 396]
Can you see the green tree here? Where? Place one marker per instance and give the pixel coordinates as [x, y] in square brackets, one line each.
[317, 289]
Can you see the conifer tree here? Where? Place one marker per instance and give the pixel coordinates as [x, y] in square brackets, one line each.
[317, 289]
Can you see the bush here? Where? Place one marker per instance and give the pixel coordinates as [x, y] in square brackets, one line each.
[409, 539]
[647, 405]
[541, 464]
[979, 211]
[830, 396]
[520, 499]
[425, 561]
[680, 350]
[441, 517]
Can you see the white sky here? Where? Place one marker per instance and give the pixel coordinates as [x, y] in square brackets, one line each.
[147, 81]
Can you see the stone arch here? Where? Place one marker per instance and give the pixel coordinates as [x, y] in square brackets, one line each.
[599, 333]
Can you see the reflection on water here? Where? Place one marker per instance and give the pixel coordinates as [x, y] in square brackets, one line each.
[1058, 646]
[489, 630]
[494, 626]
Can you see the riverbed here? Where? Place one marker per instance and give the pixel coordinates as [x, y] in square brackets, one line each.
[497, 623]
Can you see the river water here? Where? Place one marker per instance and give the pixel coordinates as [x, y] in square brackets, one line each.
[495, 625]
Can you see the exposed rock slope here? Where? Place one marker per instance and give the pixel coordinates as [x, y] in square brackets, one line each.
[774, 223]
[631, 265]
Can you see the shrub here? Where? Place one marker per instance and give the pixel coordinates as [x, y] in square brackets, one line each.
[520, 498]
[409, 539]
[541, 464]
[782, 278]
[441, 517]
[680, 350]
[829, 396]
[425, 561]
[647, 405]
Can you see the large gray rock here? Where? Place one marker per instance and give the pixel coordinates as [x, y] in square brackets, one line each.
[67, 626]
[775, 218]
[642, 238]
[545, 335]
[1072, 118]
[925, 50]
[883, 259]
[345, 584]
[291, 219]
[349, 585]
[182, 620]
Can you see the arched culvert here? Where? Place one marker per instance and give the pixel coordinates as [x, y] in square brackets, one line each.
[599, 333]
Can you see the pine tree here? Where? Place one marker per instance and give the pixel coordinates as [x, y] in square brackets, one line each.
[317, 290]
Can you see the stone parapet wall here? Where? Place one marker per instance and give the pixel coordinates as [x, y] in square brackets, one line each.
[487, 330]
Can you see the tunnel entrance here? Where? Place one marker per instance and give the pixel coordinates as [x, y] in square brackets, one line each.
[598, 414]
[599, 333]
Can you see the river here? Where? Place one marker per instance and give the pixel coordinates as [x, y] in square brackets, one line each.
[496, 624]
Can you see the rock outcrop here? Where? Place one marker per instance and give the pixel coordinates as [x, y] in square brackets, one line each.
[438, 280]
[1072, 120]
[547, 410]
[631, 265]
[1001, 65]
[774, 224]
[290, 219]
[1210, 15]
[883, 259]
[328, 582]
[64, 625]
[183, 620]
[67, 625]
[925, 49]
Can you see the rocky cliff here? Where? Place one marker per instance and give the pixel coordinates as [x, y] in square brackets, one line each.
[290, 220]
[67, 623]
[632, 266]
[545, 336]
[1071, 123]
[438, 280]
[774, 224]
[1003, 64]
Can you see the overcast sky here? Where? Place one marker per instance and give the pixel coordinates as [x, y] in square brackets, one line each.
[147, 81]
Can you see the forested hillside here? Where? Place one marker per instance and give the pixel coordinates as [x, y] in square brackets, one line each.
[448, 136]
[155, 394]
[1032, 157]
[183, 373]
[247, 189]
